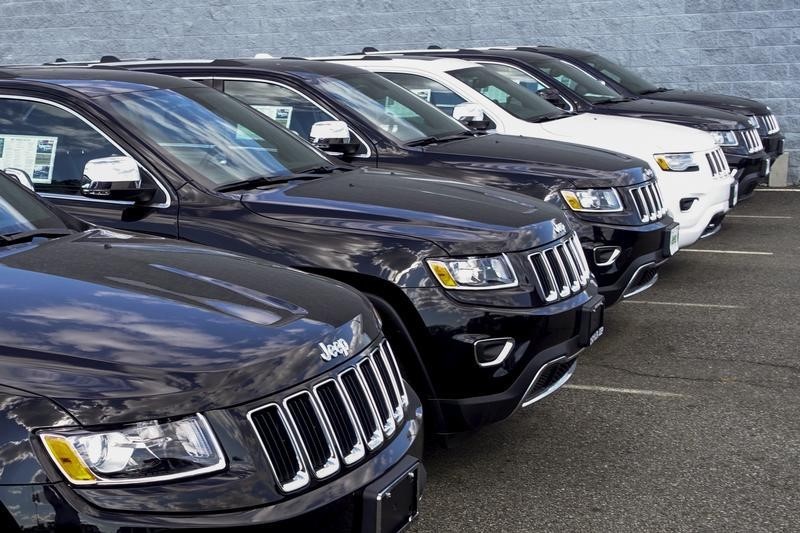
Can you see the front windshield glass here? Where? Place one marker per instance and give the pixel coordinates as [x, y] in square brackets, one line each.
[213, 137]
[628, 79]
[403, 115]
[577, 80]
[20, 211]
[513, 98]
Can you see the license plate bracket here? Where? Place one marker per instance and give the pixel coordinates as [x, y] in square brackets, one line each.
[592, 320]
[671, 240]
[390, 503]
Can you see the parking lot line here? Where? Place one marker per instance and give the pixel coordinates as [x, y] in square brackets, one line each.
[741, 252]
[642, 392]
[686, 304]
[778, 190]
[760, 216]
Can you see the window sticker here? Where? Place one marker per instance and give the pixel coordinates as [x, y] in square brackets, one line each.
[279, 113]
[425, 94]
[495, 94]
[30, 153]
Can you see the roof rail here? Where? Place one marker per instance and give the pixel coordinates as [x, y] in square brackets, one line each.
[434, 47]
[109, 59]
[295, 58]
[227, 63]
[369, 49]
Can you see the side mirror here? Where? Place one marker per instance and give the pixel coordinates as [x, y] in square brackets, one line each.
[471, 115]
[115, 178]
[333, 136]
[551, 95]
[21, 176]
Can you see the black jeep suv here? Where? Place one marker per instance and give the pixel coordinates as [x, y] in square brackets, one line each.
[631, 84]
[475, 282]
[150, 384]
[624, 239]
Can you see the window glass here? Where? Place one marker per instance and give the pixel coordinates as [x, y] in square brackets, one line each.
[285, 106]
[21, 211]
[49, 144]
[578, 80]
[212, 137]
[514, 99]
[387, 106]
[627, 78]
[517, 76]
[429, 90]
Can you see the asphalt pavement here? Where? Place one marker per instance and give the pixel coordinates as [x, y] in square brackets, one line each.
[685, 416]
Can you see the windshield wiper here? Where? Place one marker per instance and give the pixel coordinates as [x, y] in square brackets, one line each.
[656, 90]
[616, 100]
[442, 139]
[258, 181]
[45, 233]
[550, 116]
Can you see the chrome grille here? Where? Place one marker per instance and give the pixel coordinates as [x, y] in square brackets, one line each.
[718, 163]
[768, 124]
[560, 270]
[648, 201]
[751, 140]
[315, 432]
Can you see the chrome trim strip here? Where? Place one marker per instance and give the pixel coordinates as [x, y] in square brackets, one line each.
[331, 465]
[302, 477]
[635, 277]
[376, 439]
[388, 425]
[393, 361]
[357, 451]
[555, 386]
[507, 347]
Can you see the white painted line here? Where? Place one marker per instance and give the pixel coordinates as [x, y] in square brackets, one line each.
[759, 216]
[777, 190]
[641, 392]
[739, 252]
[686, 304]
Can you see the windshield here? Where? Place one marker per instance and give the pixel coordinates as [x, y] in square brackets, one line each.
[212, 137]
[628, 79]
[403, 115]
[513, 98]
[577, 80]
[21, 211]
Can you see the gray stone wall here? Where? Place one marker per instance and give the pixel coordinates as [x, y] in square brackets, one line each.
[748, 48]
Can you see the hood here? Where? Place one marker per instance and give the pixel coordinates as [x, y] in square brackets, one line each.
[541, 158]
[118, 329]
[694, 116]
[735, 104]
[639, 137]
[460, 219]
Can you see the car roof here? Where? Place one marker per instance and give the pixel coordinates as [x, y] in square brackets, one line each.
[93, 82]
[427, 63]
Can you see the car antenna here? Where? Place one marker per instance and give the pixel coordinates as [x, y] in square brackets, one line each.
[109, 59]
[368, 49]
[434, 47]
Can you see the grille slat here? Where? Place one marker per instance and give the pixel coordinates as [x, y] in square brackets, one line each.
[718, 163]
[648, 202]
[768, 124]
[752, 141]
[314, 432]
[561, 270]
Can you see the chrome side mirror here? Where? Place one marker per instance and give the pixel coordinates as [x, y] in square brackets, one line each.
[21, 176]
[115, 178]
[333, 136]
[471, 115]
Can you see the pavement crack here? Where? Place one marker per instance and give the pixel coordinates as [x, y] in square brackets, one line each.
[764, 385]
[742, 361]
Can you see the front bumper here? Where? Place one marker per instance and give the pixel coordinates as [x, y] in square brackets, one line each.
[339, 503]
[467, 396]
[696, 201]
[774, 145]
[749, 171]
[638, 245]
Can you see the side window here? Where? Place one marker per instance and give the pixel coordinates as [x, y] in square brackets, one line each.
[516, 75]
[51, 145]
[429, 90]
[285, 106]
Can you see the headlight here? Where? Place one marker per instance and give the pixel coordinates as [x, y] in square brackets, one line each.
[592, 200]
[474, 273]
[676, 162]
[141, 453]
[726, 138]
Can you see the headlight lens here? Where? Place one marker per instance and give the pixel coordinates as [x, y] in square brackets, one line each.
[725, 138]
[592, 200]
[676, 162]
[474, 273]
[142, 453]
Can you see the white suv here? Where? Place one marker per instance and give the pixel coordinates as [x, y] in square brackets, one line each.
[694, 177]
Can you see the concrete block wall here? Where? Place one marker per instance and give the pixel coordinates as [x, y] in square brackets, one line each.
[740, 47]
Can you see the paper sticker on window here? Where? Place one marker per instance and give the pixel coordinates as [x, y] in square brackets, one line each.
[32, 154]
[425, 94]
[280, 114]
[495, 94]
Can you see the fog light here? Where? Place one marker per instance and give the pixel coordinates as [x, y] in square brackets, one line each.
[606, 255]
[492, 352]
[687, 203]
